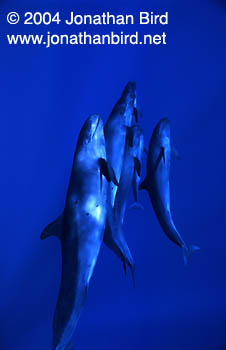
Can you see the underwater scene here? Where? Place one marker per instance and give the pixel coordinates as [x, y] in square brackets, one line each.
[113, 179]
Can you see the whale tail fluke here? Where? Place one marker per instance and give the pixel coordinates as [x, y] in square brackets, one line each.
[128, 259]
[136, 206]
[127, 256]
[115, 240]
[188, 250]
[131, 265]
[132, 268]
[124, 264]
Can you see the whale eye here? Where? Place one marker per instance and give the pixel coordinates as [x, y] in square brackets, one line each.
[87, 214]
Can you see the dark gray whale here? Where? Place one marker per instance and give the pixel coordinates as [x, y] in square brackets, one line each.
[130, 170]
[157, 184]
[138, 147]
[115, 131]
[80, 228]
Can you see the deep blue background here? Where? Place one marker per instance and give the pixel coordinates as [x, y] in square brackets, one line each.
[45, 97]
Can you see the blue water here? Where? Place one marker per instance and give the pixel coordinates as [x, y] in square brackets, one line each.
[45, 97]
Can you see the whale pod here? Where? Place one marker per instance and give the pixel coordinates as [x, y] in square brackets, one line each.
[157, 185]
[80, 228]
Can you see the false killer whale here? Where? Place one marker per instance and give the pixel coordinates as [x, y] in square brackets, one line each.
[130, 171]
[80, 228]
[157, 183]
[136, 140]
[115, 130]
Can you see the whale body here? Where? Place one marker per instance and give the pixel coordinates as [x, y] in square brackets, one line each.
[80, 228]
[115, 130]
[157, 184]
[138, 149]
[131, 170]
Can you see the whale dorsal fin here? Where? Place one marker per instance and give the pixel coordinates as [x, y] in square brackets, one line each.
[107, 171]
[144, 185]
[137, 166]
[53, 229]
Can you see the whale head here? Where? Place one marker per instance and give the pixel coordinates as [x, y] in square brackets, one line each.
[127, 103]
[91, 140]
[129, 90]
[162, 131]
[92, 129]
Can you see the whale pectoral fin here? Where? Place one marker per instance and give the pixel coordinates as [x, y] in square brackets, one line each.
[175, 152]
[107, 171]
[53, 229]
[135, 187]
[137, 166]
[101, 181]
[163, 156]
[135, 113]
[144, 185]
[113, 176]
[104, 169]
[129, 136]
